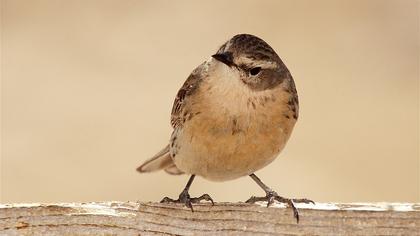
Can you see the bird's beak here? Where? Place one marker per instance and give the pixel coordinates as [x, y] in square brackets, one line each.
[225, 57]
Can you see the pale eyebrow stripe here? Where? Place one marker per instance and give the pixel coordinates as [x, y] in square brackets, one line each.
[254, 63]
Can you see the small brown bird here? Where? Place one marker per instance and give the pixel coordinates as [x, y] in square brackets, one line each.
[232, 117]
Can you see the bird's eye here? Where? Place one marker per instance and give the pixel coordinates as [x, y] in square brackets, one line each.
[255, 70]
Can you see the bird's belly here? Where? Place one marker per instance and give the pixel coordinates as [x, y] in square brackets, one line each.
[225, 149]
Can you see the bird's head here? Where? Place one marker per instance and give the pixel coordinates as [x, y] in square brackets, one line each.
[252, 61]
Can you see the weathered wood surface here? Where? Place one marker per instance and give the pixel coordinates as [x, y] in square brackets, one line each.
[131, 218]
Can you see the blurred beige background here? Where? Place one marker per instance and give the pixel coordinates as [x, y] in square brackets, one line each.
[88, 86]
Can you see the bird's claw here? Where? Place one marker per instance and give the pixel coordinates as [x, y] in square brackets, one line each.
[273, 196]
[185, 198]
[303, 200]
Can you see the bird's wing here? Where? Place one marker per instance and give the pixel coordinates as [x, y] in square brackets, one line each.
[163, 160]
[190, 86]
[294, 99]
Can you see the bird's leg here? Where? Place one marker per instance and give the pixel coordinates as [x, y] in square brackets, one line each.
[185, 198]
[271, 196]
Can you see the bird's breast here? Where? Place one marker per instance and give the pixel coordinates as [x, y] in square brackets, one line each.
[235, 131]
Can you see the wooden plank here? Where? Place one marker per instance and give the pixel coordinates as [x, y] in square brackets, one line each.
[132, 218]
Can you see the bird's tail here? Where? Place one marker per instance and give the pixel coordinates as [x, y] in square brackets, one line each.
[162, 160]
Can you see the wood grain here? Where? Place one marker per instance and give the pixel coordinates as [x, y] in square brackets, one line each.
[138, 218]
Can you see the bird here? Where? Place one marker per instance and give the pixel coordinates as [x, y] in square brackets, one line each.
[233, 116]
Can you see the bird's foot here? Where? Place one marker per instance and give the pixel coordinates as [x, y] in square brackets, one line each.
[185, 198]
[273, 196]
